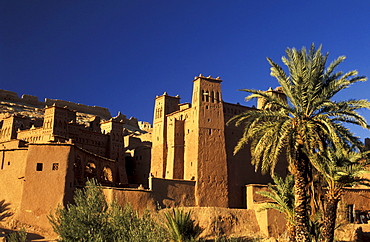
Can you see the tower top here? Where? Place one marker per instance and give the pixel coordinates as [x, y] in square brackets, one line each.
[209, 78]
[166, 95]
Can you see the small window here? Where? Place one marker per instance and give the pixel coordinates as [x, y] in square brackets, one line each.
[8, 163]
[55, 166]
[350, 213]
[39, 167]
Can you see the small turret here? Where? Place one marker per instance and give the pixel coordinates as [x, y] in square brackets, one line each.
[278, 92]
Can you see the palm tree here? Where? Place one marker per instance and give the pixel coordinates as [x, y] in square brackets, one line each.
[303, 124]
[339, 168]
[181, 227]
[282, 195]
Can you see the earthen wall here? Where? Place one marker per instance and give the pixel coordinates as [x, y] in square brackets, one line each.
[12, 173]
[359, 197]
[173, 193]
[140, 200]
[142, 156]
[45, 182]
[31, 135]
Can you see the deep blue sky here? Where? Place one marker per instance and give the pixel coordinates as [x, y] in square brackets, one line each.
[120, 54]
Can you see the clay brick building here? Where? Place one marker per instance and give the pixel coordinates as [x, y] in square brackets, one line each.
[185, 159]
[45, 157]
[192, 142]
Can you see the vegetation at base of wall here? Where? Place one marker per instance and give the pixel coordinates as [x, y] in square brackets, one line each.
[181, 227]
[19, 236]
[282, 196]
[91, 218]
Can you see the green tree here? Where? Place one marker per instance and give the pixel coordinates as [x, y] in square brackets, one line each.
[305, 123]
[282, 195]
[91, 218]
[85, 220]
[339, 168]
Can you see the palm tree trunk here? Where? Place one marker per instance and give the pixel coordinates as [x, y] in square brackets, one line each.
[300, 197]
[330, 216]
[291, 231]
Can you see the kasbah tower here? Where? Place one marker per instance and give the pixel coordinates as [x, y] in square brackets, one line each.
[193, 142]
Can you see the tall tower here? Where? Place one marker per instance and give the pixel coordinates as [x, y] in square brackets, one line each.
[9, 127]
[115, 150]
[164, 105]
[210, 153]
[55, 126]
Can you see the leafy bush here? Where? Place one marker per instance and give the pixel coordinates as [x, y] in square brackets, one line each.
[129, 226]
[20, 236]
[92, 219]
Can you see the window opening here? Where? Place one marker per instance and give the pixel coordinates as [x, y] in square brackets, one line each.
[350, 213]
[55, 166]
[39, 166]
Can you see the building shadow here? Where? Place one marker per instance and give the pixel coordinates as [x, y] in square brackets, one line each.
[30, 236]
[5, 213]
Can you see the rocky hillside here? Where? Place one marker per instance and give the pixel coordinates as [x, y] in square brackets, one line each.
[10, 108]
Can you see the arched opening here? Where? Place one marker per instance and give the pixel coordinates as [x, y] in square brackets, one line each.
[107, 174]
[90, 170]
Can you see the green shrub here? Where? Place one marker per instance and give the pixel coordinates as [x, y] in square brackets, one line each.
[128, 225]
[92, 219]
[20, 236]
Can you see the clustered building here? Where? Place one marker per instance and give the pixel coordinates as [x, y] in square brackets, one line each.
[185, 159]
